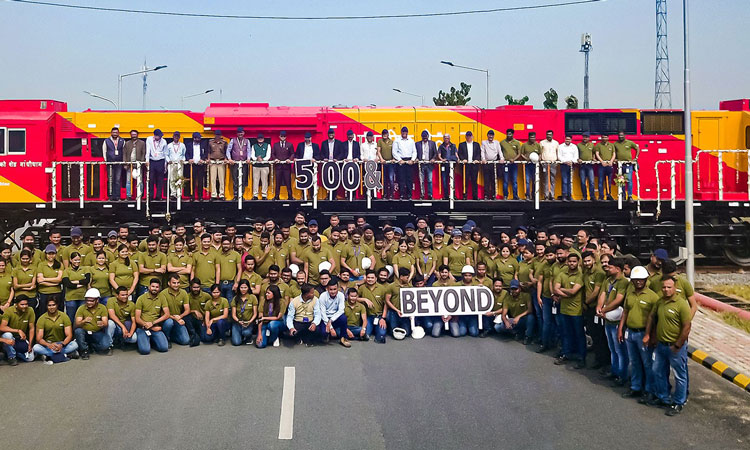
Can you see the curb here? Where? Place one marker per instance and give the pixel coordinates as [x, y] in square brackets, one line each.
[716, 305]
[719, 368]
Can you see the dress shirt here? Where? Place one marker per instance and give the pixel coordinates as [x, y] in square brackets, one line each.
[549, 150]
[349, 146]
[404, 149]
[331, 148]
[568, 152]
[426, 150]
[308, 153]
[469, 150]
[331, 308]
[491, 151]
[291, 311]
[156, 151]
[368, 151]
[176, 152]
[196, 153]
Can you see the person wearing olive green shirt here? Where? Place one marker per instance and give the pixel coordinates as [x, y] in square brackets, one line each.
[605, 154]
[586, 168]
[205, 265]
[544, 273]
[151, 311]
[624, 154]
[385, 156]
[6, 285]
[216, 317]
[639, 301]
[315, 255]
[673, 321]
[230, 268]
[244, 314]
[54, 335]
[352, 256]
[100, 275]
[506, 265]
[403, 260]
[151, 263]
[76, 245]
[121, 326]
[178, 302]
[76, 280]
[124, 271]
[377, 312]
[24, 281]
[593, 280]
[511, 153]
[17, 326]
[516, 310]
[527, 148]
[49, 276]
[273, 306]
[610, 300]
[684, 288]
[194, 322]
[569, 289]
[91, 325]
[356, 317]
[489, 318]
[456, 256]
[180, 263]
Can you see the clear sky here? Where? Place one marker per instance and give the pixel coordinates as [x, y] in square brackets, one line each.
[58, 53]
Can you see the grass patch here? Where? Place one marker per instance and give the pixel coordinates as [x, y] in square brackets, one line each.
[736, 321]
[738, 290]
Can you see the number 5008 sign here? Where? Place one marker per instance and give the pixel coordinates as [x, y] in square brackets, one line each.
[335, 174]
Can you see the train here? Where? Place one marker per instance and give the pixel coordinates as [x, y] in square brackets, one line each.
[51, 167]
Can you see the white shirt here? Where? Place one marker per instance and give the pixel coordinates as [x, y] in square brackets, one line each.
[568, 152]
[176, 152]
[404, 149]
[196, 153]
[491, 151]
[308, 152]
[368, 151]
[549, 150]
[330, 149]
[469, 150]
[350, 145]
[156, 150]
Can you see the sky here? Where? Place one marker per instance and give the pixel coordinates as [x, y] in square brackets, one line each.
[54, 53]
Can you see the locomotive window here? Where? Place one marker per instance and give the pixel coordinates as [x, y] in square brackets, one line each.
[600, 123]
[96, 147]
[666, 122]
[16, 141]
[2, 141]
[72, 147]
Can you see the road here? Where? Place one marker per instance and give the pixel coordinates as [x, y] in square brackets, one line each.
[466, 393]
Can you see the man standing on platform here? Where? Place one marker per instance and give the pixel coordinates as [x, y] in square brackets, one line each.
[586, 168]
[568, 153]
[156, 148]
[426, 155]
[113, 150]
[447, 154]
[624, 154]
[468, 153]
[217, 170]
[404, 152]
[196, 154]
[549, 171]
[491, 151]
[605, 154]
[308, 151]
[175, 159]
[260, 154]
[511, 153]
[385, 154]
[239, 151]
[135, 150]
[280, 152]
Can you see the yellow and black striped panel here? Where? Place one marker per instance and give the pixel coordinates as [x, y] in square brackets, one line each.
[719, 368]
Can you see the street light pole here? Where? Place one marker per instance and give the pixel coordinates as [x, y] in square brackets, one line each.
[409, 93]
[486, 72]
[182, 99]
[689, 231]
[120, 77]
[101, 98]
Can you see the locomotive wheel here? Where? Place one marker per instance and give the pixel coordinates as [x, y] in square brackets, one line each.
[739, 255]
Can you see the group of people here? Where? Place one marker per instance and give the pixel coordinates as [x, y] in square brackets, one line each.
[192, 285]
[187, 168]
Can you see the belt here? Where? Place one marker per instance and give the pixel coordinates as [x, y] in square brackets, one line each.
[666, 343]
[636, 330]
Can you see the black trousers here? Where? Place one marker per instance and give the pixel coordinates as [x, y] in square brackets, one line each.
[304, 333]
[197, 176]
[491, 174]
[600, 348]
[235, 171]
[115, 181]
[405, 182]
[283, 174]
[471, 175]
[157, 179]
[194, 327]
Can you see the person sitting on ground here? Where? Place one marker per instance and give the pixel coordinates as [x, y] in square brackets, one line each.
[356, 317]
[216, 317]
[18, 328]
[121, 326]
[92, 321]
[244, 314]
[516, 310]
[54, 335]
[333, 321]
[151, 311]
[271, 317]
[178, 302]
[303, 316]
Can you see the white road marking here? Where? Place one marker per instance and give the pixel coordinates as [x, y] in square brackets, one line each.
[286, 422]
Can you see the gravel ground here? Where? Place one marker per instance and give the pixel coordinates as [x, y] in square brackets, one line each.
[712, 279]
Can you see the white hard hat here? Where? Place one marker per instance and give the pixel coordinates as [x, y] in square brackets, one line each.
[417, 332]
[638, 273]
[399, 334]
[467, 269]
[325, 265]
[534, 157]
[614, 315]
[389, 268]
[92, 293]
[498, 319]
[136, 173]
[366, 263]
[294, 268]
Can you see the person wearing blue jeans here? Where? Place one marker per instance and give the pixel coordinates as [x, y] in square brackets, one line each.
[17, 326]
[216, 317]
[511, 149]
[356, 317]
[543, 273]
[672, 317]
[510, 178]
[568, 287]
[151, 311]
[516, 311]
[116, 333]
[624, 154]
[618, 353]
[121, 325]
[54, 335]
[585, 168]
[244, 314]
[178, 303]
[92, 321]
[271, 317]
[609, 309]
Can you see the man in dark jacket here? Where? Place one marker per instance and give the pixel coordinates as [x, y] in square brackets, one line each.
[307, 150]
[196, 155]
[283, 151]
[469, 152]
[426, 154]
[448, 154]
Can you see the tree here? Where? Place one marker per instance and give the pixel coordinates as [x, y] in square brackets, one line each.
[512, 101]
[456, 97]
[571, 102]
[550, 99]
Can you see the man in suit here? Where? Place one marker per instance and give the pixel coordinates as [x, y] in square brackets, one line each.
[112, 148]
[283, 151]
[351, 147]
[426, 155]
[468, 152]
[332, 149]
[196, 155]
[307, 150]
[134, 150]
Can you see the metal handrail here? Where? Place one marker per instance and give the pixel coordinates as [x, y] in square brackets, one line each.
[721, 168]
[673, 183]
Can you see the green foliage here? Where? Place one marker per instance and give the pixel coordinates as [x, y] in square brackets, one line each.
[456, 97]
[512, 101]
[571, 102]
[550, 99]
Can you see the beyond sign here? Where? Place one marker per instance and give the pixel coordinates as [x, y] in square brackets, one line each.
[446, 301]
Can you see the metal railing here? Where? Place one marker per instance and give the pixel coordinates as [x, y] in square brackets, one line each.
[672, 183]
[720, 168]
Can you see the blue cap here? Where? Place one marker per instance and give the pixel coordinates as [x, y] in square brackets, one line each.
[471, 222]
[404, 129]
[283, 133]
[260, 135]
[112, 233]
[217, 132]
[385, 131]
[176, 133]
[240, 130]
[522, 228]
[50, 248]
[662, 254]
[523, 242]
[196, 135]
[308, 135]
[456, 232]
[157, 132]
[586, 133]
[410, 226]
[425, 133]
[514, 284]
[467, 228]
[439, 232]
[469, 133]
[398, 230]
[76, 231]
[331, 131]
[370, 134]
[312, 222]
[350, 133]
[491, 133]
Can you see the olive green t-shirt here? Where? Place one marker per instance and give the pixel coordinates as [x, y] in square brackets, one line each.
[81, 249]
[499, 300]
[181, 260]
[605, 150]
[18, 320]
[6, 284]
[591, 279]
[198, 302]
[48, 272]
[252, 277]
[670, 316]
[547, 271]
[96, 315]
[586, 151]
[353, 255]
[53, 328]
[150, 306]
[228, 265]
[402, 261]
[615, 287]
[573, 305]
[639, 306]
[76, 275]
[245, 307]
[100, 280]
[176, 302]
[313, 260]
[122, 311]
[506, 269]
[528, 148]
[354, 314]
[457, 258]
[376, 295]
[517, 305]
[157, 260]
[624, 150]
[386, 148]
[125, 273]
[24, 277]
[204, 267]
[216, 309]
[510, 149]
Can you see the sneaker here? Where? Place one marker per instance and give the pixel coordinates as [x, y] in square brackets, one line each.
[673, 410]
[526, 340]
[645, 398]
[276, 343]
[561, 360]
[580, 364]
[618, 382]
[12, 362]
[109, 352]
[365, 338]
[221, 343]
[630, 393]
[658, 403]
[73, 355]
[169, 345]
[345, 342]
[542, 349]
[84, 356]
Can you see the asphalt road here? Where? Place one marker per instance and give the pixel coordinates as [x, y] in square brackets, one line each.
[431, 394]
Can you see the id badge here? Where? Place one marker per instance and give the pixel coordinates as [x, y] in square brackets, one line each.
[596, 320]
[305, 319]
[554, 310]
[375, 321]
[626, 334]
[148, 333]
[89, 333]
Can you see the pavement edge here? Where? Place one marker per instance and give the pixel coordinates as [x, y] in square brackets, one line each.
[719, 368]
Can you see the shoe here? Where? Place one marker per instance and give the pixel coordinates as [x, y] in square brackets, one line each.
[618, 382]
[309, 344]
[561, 360]
[673, 410]
[484, 333]
[542, 349]
[365, 338]
[195, 342]
[658, 403]
[327, 338]
[221, 343]
[73, 355]
[276, 343]
[12, 362]
[580, 365]
[84, 356]
[264, 197]
[518, 337]
[632, 394]
[109, 352]
[646, 398]
[345, 342]
[169, 345]
[608, 375]
[526, 341]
